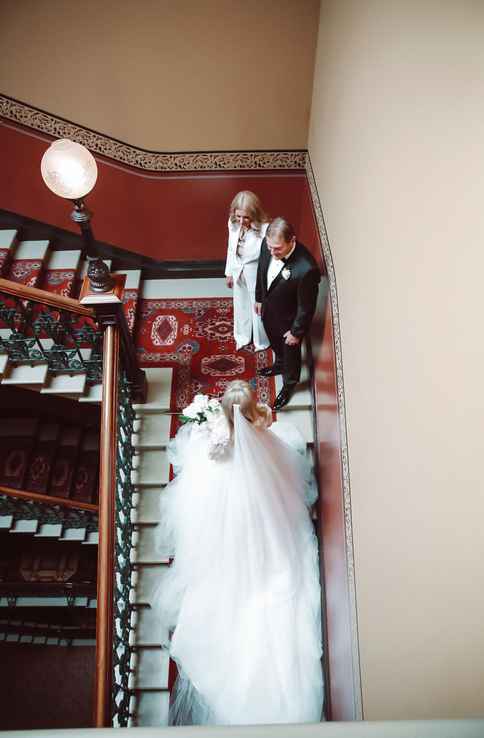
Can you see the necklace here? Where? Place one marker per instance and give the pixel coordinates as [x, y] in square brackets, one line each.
[240, 242]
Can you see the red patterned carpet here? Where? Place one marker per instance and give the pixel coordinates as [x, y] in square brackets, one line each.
[194, 336]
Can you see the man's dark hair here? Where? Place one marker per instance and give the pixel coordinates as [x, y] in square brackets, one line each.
[280, 227]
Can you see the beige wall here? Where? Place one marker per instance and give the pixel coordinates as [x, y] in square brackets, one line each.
[172, 75]
[397, 144]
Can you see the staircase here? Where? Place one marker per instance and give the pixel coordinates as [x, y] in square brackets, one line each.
[37, 264]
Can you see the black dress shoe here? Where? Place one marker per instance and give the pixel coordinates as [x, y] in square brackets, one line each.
[269, 371]
[283, 397]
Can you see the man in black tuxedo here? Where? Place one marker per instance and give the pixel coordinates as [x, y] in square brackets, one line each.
[286, 294]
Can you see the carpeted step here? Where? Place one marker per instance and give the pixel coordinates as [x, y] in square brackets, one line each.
[42, 459]
[65, 462]
[85, 483]
[8, 239]
[17, 440]
[27, 263]
[131, 295]
[60, 272]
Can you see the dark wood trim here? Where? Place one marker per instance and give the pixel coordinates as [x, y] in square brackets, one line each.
[48, 499]
[107, 526]
[62, 240]
[46, 298]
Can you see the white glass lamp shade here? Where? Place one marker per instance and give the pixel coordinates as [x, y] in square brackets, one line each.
[68, 169]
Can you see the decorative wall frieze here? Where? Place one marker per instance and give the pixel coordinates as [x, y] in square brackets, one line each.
[151, 161]
[345, 469]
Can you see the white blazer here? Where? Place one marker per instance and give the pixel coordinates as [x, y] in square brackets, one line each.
[248, 263]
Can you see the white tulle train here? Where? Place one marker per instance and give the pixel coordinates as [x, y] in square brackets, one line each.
[243, 591]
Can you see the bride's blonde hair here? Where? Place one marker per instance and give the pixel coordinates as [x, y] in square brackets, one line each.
[240, 393]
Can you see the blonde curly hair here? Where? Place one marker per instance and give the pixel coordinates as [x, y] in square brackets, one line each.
[240, 393]
[248, 201]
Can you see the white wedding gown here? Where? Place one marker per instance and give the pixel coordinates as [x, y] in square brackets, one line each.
[243, 592]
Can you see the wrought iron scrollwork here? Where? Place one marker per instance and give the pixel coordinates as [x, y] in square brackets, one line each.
[33, 332]
[123, 566]
[47, 514]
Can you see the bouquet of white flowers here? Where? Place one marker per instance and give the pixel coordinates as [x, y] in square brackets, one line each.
[201, 410]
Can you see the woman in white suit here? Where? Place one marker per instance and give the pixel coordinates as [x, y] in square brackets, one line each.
[247, 227]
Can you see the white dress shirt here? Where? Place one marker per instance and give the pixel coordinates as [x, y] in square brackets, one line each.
[275, 267]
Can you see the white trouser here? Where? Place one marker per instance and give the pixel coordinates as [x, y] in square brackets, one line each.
[247, 324]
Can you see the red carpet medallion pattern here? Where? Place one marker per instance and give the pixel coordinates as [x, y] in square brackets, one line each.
[195, 337]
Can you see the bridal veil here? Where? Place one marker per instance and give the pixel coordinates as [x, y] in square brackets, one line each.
[243, 591]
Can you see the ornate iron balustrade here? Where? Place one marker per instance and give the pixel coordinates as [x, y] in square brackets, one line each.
[123, 607]
[36, 332]
[68, 517]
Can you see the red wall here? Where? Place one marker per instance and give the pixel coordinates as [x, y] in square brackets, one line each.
[331, 514]
[179, 216]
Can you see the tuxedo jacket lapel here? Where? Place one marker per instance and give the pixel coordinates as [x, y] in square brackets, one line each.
[276, 279]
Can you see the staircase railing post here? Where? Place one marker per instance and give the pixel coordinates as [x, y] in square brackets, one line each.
[107, 492]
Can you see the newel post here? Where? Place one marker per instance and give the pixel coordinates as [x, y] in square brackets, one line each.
[106, 305]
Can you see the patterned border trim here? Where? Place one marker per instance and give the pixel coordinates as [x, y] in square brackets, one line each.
[350, 562]
[151, 161]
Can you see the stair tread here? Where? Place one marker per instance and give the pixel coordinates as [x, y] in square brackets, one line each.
[148, 505]
[26, 375]
[152, 431]
[44, 602]
[93, 394]
[147, 628]
[147, 550]
[151, 709]
[147, 578]
[7, 237]
[152, 468]
[174, 288]
[65, 384]
[152, 669]
[159, 381]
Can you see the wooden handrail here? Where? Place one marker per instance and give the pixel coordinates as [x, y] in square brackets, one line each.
[107, 528]
[47, 298]
[48, 499]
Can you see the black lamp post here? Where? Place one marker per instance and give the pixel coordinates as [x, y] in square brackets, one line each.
[70, 171]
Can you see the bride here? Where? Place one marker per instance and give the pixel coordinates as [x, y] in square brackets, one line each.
[242, 594]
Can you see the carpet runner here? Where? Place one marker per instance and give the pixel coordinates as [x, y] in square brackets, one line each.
[195, 337]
